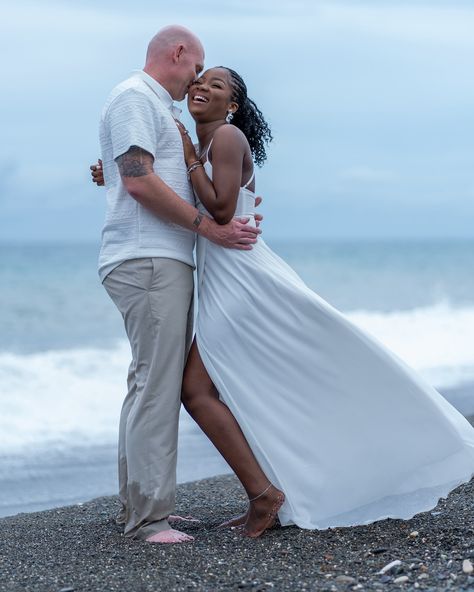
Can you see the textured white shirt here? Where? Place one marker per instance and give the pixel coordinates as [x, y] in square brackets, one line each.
[140, 112]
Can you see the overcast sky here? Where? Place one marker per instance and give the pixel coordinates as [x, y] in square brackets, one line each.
[371, 104]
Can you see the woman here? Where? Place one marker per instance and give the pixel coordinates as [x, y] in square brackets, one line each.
[338, 423]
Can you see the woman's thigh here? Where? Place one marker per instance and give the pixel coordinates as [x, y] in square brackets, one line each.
[197, 383]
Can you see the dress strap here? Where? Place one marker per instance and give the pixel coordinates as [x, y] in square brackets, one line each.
[206, 154]
[250, 180]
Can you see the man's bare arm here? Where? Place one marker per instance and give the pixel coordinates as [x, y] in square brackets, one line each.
[136, 162]
[140, 181]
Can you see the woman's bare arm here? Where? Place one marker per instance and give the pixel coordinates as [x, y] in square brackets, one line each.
[219, 196]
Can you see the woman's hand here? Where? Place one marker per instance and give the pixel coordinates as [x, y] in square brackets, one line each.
[190, 155]
[97, 173]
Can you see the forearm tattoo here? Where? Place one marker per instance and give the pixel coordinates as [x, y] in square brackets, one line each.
[136, 162]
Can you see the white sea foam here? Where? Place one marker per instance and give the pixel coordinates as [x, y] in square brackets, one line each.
[69, 397]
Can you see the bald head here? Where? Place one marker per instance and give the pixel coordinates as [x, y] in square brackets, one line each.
[168, 39]
[174, 58]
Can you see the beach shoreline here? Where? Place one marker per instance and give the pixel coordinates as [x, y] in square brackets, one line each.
[50, 479]
[80, 549]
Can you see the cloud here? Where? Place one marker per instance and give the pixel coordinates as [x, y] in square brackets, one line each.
[366, 174]
[27, 186]
[8, 171]
[362, 96]
[448, 23]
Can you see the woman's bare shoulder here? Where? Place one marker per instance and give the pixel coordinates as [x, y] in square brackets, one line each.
[230, 133]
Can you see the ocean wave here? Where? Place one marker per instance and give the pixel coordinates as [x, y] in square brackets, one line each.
[74, 396]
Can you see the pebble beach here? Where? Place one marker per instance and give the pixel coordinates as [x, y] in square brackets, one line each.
[79, 548]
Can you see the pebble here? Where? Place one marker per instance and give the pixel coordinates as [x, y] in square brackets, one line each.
[379, 550]
[401, 580]
[413, 534]
[390, 566]
[345, 579]
[467, 566]
[80, 548]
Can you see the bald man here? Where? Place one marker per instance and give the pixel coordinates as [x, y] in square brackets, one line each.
[146, 265]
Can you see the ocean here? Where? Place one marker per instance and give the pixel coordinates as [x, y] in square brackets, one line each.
[64, 355]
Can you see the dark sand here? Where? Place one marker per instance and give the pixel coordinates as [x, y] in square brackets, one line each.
[79, 548]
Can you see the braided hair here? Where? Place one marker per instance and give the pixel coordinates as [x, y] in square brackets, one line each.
[249, 119]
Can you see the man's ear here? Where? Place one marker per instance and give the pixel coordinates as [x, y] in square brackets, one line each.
[178, 52]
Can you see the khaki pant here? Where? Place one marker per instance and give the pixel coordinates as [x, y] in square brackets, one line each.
[154, 296]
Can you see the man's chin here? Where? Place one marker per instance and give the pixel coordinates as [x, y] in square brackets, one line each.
[182, 95]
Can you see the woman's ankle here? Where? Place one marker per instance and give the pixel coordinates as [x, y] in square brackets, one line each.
[261, 494]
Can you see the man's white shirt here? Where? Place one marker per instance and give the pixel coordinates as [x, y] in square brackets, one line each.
[140, 112]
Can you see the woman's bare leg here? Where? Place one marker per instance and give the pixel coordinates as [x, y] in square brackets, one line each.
[201, 400]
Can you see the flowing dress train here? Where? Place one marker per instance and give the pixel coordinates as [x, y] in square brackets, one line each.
[345, 428]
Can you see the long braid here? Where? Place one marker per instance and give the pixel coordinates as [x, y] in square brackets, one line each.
[249, 119]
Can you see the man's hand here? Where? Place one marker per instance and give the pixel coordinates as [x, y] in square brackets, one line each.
[237, 234]
[258, 217]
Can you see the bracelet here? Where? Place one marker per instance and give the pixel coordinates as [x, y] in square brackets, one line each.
[193, 166]
[193, 163]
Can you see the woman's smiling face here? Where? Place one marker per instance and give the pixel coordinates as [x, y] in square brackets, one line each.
[210, 96]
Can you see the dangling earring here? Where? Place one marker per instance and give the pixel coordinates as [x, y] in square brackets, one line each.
[229, 117]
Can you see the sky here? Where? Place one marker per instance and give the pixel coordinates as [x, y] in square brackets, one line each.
[370, 103]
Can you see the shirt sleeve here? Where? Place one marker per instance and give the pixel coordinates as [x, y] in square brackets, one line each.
[132, 121]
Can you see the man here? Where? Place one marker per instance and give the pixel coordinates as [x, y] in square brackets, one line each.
[146, 265]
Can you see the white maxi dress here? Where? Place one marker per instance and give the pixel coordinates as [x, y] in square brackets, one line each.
[338, 422]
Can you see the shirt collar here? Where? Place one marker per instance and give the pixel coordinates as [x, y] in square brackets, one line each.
[160, 91]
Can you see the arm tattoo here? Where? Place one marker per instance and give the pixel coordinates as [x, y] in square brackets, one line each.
[136, 162]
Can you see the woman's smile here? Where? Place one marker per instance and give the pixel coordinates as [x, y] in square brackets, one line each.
[212, 87]
[200, 98]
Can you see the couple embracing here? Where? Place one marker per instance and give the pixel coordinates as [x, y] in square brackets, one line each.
[323, 426]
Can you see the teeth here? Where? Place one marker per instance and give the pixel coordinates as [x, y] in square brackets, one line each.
[201, 99]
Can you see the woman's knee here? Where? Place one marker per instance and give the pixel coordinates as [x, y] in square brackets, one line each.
[194, 394]
[189, 394]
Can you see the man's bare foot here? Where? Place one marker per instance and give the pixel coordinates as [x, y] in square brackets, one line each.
[176, 518]
[263, 512]
[236, 520]
[170, 536]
